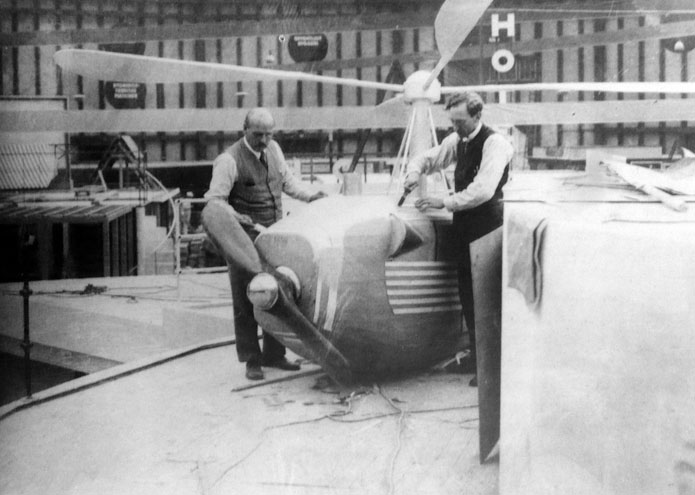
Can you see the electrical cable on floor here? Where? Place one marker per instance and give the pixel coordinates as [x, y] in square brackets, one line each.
[208, 285]
[416, 411]
[281, 379]
[335, 417]
[91, 290]
[399, 442]
[248, 454]
[339, 414]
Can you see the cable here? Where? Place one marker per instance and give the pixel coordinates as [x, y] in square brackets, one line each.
[399, 441]
[102, 290]
[173, 205]
[158, 183]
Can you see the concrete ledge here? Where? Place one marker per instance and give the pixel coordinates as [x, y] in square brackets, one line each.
[56, 356]
[104, 376]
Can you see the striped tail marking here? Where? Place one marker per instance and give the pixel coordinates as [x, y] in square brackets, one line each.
[421, 287]
[326, 303]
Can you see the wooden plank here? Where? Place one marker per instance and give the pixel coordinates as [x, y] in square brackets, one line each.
[486, 262]
[17, 212]
[648, 181]
[81, 214]
[289, 119]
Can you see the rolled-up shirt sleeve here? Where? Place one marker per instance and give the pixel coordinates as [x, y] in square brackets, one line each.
[497, 153]
[436, 158]
[224, 175]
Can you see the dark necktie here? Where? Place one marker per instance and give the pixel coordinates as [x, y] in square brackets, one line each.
[263, 160]
[463, 144]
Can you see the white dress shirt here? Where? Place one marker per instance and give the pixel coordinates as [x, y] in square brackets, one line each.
[497, 153]
[224, 176]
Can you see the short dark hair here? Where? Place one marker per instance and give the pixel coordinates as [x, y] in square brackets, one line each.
[473, 101]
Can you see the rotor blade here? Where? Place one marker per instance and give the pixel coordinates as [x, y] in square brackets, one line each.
[607, 87]
[455, 20]
[229, 237]
[123, 67]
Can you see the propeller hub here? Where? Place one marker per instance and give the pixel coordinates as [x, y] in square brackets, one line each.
[414, 88]
[263, 291]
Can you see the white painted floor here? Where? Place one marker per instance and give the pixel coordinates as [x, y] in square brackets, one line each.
[182, 427]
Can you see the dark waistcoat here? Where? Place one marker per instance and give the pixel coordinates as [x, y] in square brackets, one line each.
[483, 219]
[257, 191]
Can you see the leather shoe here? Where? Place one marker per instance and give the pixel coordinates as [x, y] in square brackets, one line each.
[282, 364]
[254, 371]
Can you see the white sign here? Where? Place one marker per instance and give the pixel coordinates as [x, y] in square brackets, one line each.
[502, 60]
[508, 25]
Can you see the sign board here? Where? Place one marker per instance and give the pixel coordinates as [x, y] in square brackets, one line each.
[308, 47]
[125, 95]
[502, 60]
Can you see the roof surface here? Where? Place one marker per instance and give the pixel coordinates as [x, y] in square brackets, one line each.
[27, 166]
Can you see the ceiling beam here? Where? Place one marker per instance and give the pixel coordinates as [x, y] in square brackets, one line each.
[346, 118]
[236, 29]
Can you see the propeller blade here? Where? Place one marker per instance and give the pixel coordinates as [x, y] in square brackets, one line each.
[229, 236]
[396, 100]
[394, 109]
[455, 20]
[607, 87]
[123, 67]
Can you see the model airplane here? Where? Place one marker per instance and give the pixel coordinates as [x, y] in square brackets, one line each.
[360, 286]
[356, 284]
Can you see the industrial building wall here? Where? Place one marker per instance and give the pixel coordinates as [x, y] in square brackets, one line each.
[361, 40]
[28, 68]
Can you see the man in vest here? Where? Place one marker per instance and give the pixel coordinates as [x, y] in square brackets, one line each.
[482, 159]
[251, 176]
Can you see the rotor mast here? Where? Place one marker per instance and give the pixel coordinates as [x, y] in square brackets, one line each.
[420, 134]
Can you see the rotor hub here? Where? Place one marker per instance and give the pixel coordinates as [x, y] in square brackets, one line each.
[414, 88]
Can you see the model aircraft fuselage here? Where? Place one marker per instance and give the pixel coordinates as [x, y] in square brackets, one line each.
[358, 285]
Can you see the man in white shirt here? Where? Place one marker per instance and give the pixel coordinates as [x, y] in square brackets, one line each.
[482, 159]
[251, 176]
